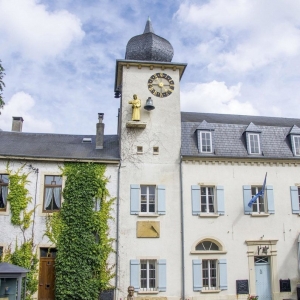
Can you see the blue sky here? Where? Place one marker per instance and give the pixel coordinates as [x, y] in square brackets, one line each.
[59, 56]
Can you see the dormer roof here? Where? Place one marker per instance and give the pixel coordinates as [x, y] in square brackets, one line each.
[252, 128]
[205, 126]
[295, 130]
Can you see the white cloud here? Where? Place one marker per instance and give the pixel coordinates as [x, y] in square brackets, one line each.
[215, 97]
[251, 33]
[21, 105]
[27, 28]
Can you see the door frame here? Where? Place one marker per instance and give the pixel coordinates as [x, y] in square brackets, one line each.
[255, 249]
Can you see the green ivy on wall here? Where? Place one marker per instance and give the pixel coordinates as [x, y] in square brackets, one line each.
[19, 198]
[23, 255]
[81, 234]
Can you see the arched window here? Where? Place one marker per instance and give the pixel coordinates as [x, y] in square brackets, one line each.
[207, 246]
[210, 267]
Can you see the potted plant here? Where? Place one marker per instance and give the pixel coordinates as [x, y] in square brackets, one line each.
[252, 297]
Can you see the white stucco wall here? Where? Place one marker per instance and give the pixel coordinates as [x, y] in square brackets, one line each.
[163, 131]
[234, 228]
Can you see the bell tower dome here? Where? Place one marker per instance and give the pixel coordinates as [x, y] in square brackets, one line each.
[149, 46]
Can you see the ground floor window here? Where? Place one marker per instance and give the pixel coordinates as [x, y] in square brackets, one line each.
[209, 274]
[148, 275]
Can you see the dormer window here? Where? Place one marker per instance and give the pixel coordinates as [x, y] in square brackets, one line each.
[296, 144]
[253, 135]
[205, 137]
[205, 142]
[294, 136]
[254, 143]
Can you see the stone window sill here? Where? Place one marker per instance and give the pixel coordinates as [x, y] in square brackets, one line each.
[210, 291]
[259, 215]
[208, 215]
[148, 215]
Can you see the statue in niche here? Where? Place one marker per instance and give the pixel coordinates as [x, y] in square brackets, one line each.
[130, 295]
[136, 107]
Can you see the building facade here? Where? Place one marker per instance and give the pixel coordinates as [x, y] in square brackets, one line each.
[41, 158]
[183, 182]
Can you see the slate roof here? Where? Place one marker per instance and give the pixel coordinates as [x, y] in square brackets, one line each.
[57, 146]
[149, 46]
[229, 137]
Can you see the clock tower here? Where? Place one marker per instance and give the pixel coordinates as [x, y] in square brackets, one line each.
[149, 234]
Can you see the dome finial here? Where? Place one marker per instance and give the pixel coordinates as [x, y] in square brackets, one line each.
[148, 27]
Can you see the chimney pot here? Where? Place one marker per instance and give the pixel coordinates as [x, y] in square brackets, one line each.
[17, 124]
[100, 132]
[100, 117]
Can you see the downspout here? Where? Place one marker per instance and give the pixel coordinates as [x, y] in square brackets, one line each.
[117, 231]
[182, 232]
[36, 171]
[299, 254]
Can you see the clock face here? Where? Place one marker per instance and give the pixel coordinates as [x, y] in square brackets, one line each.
[161, 85]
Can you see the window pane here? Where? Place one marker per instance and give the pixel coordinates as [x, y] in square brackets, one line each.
[205, 141]
[297, 145]
[254, 143]
[148, 274]
[143, 190]
[3, 179]
[207, 199]
[258, 205]
[148, 198]
[152, 190]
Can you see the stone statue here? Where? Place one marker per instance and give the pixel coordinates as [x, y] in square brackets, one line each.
[130, 295]
[136, 107]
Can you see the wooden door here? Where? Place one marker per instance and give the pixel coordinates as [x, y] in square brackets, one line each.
[47, 278]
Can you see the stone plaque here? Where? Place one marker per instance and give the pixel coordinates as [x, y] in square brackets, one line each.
[147, 229]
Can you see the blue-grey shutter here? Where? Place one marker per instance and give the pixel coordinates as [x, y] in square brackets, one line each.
[195, 199]
[295, 199]
[220, 200]
[197, 275]
[270, 197]
[162, 275]
[134, 199]
[247, 197]
[223, 274]
[161, 199]
[135, 274]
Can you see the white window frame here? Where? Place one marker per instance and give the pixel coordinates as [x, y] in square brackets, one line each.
[259, 201]
[252, 151]
[201, 141]
[209, 269]
[2, 184]
[296, 149]
[207, 195]
[147, 201]
[147, 278]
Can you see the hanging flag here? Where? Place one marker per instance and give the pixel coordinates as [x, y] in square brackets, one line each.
[260, 193]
